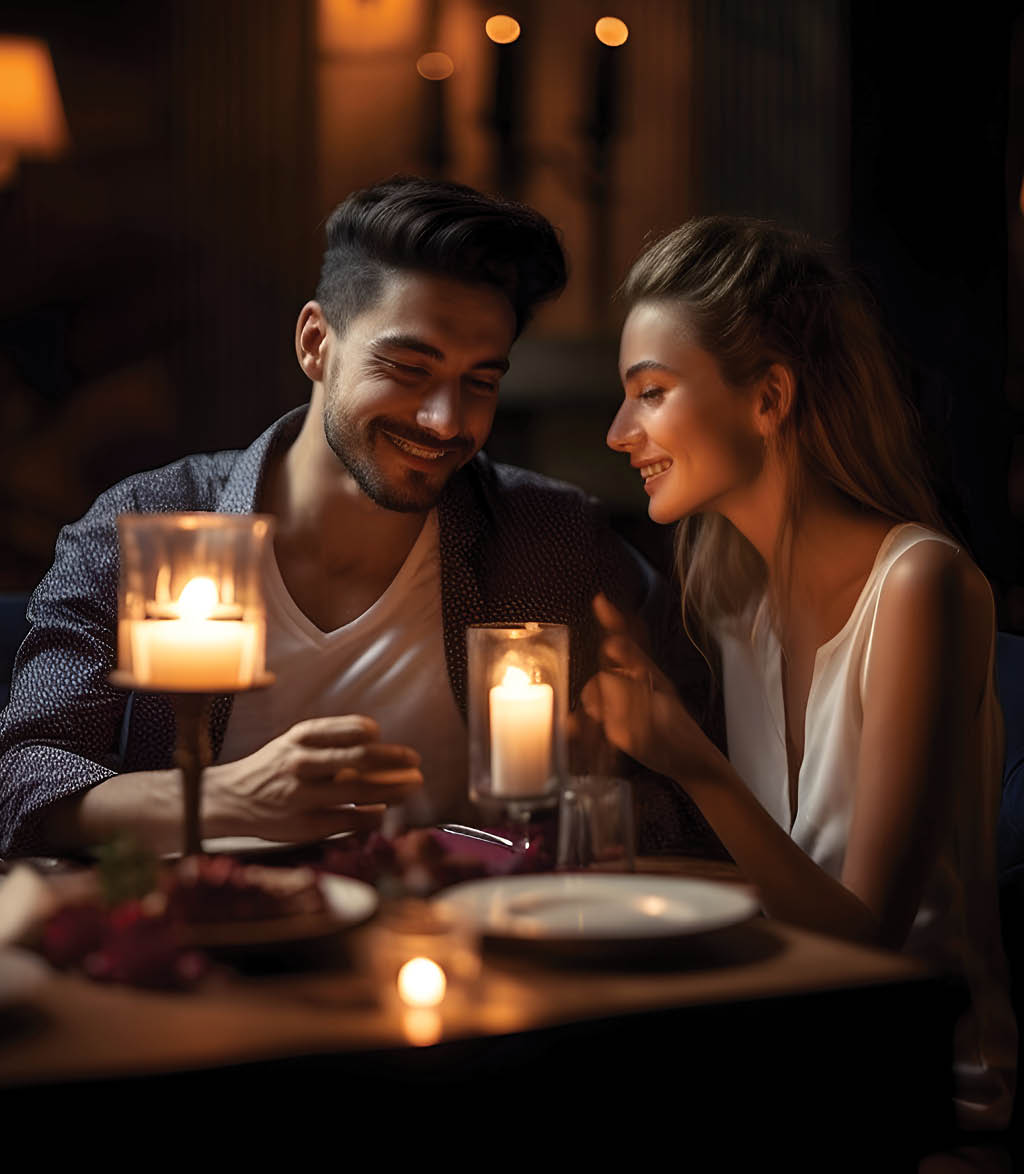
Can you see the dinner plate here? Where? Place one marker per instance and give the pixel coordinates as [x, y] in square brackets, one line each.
[349, 902]
[566, 908]
[255, 846]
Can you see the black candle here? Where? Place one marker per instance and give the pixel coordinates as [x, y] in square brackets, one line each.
[611, 33]
[507, 109]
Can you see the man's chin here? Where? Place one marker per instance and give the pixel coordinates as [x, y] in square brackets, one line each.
[415, 495]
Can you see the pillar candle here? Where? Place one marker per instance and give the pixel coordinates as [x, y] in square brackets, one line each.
[521, 728]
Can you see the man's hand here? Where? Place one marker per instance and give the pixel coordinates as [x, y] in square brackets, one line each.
[296, 786]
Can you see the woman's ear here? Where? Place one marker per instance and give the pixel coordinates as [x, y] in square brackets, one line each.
[773, 402]
[311, 341]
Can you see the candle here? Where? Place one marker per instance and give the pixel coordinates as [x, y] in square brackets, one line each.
[193, 645]
[521, 723]
[421, 983]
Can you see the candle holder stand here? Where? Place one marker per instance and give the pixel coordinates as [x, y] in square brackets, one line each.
[192, 625]
[192, 756]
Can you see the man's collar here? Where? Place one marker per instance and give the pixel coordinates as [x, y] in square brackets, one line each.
[241, 491]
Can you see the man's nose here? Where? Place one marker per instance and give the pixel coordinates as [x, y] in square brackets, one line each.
[440, 410]
[624, 432]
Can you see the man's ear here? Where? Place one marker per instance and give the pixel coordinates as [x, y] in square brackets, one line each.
[775, 394]
[311, 341]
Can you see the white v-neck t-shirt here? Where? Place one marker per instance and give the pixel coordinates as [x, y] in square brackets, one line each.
[964, 877]
[387, 663]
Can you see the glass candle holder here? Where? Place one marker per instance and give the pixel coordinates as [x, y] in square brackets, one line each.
[191, 614]
[518, 709]
[191, 622]
[425, 965]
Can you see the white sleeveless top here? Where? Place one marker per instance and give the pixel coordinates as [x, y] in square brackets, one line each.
[957, 924]
[388, 663]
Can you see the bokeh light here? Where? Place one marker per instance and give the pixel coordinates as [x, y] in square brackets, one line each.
[609, 30]
[435, 67]
[503, 30]
[421, 983]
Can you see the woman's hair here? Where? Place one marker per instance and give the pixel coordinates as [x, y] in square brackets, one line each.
[755, 294]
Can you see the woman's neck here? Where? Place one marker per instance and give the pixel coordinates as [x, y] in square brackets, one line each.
[829, 545]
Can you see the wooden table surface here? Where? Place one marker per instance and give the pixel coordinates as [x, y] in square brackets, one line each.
[90, 1030]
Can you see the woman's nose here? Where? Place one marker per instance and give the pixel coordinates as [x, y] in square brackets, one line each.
[624, 432]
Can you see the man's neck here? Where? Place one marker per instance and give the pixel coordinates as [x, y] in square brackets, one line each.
[317, 503]
[337, 550]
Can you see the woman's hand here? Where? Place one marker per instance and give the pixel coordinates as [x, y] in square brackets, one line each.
[639, 708]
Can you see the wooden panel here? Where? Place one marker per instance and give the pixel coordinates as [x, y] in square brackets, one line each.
[771, 103]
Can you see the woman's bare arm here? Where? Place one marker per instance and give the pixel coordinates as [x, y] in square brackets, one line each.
[925, 678]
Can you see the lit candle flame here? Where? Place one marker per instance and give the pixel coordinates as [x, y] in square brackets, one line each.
[611, 31]
[515, 679]
[503, 30]
[421, 983]
[435, 67]
[199, 599]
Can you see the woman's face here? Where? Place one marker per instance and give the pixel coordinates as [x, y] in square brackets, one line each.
[692, 437]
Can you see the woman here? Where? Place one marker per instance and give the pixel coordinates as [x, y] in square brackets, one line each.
[856, 638]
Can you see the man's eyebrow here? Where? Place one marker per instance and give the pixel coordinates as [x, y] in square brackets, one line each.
[409, 342]
[644, 365]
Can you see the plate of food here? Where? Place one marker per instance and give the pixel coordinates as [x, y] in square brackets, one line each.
[220, 902]
[587, 910]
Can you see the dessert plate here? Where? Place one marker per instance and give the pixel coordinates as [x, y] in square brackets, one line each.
[566, 908]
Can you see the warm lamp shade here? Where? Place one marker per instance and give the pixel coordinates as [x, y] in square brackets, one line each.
[31, 115]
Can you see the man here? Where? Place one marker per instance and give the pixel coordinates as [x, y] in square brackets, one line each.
[393, 532]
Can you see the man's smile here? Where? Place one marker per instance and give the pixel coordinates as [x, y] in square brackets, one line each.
[416, 450]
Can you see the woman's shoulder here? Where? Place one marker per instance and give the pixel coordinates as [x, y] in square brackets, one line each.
[927, 566]
[935, 600]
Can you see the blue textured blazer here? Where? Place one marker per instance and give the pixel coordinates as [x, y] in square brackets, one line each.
[513, 546]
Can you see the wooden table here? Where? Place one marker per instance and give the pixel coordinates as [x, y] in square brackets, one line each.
[778, 1024]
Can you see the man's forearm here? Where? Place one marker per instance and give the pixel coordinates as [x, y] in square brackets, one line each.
[147, 805]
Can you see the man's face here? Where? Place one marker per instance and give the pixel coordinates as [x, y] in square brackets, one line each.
[412, 385]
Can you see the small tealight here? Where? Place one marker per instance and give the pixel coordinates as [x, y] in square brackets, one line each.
[425, 964]
[421, 983]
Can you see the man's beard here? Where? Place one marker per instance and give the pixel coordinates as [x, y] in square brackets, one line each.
[416, 493]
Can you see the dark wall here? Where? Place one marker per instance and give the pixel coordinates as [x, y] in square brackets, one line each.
[929, 100]
[152, 276]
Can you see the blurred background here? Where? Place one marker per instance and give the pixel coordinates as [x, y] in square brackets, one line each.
[163, 195]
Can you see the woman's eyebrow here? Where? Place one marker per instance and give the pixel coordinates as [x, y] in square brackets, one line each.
[645, 365]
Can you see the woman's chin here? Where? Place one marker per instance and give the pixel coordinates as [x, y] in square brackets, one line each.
[663, 515]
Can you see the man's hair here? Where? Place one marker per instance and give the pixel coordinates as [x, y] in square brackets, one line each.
[430, 226]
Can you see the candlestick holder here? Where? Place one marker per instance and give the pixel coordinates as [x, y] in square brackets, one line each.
[518, 713]
[192, 624]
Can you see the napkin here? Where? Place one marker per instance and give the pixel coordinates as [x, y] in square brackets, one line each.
[26, 901]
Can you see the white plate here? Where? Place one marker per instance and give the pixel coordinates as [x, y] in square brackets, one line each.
[348, 901]
[20, 973]
[255, 846]
[596, 907]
